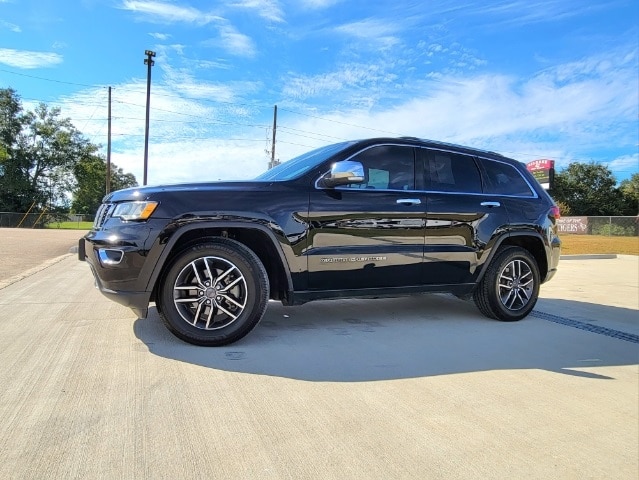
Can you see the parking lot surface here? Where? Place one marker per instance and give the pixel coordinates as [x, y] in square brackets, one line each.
[421, 387]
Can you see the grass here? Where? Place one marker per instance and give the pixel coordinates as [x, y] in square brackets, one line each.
[71, 225]
[589, 244]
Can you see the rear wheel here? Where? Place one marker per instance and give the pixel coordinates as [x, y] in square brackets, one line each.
[510, 288]
[214, 294]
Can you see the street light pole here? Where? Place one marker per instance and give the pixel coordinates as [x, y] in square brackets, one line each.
[274, 162]
[148, 61]
[108, 165]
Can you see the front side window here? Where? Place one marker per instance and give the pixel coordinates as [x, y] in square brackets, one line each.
[451, 172]
[504, 179]
[387, 167]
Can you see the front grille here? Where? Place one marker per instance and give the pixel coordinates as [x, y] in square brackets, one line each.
[101, 216]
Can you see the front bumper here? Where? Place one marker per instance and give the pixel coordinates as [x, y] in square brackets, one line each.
[138, 301]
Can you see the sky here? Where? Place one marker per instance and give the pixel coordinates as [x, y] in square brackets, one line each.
[530, 79]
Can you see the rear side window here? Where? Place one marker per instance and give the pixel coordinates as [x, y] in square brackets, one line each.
[451, 172]
[504, 179]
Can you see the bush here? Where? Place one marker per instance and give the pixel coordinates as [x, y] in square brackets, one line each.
[612, 230]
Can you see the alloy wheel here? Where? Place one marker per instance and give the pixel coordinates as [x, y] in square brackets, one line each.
[210, 293]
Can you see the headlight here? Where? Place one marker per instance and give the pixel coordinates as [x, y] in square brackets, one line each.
[134, 210]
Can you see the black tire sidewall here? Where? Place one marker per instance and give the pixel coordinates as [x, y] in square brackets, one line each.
[498, 308]
[257, 293]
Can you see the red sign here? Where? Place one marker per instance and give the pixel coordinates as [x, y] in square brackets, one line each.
[540, 165]
[543, 171]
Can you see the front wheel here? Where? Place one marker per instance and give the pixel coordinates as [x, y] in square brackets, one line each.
[214, 294]
[510, 288]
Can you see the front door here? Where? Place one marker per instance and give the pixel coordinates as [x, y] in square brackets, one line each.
[369, 235]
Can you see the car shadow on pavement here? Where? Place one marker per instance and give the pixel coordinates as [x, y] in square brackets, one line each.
[386, 339]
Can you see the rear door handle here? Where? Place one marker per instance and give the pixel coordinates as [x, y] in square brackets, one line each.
[490, 204]
[409, 201]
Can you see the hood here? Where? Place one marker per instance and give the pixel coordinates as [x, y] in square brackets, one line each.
[152, 191]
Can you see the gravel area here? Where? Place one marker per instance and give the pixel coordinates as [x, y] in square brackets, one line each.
[24, 249]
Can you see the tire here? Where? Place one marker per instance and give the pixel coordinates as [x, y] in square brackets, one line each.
[510, 288]
[214, 293]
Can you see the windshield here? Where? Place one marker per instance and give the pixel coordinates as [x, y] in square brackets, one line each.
[299, 165]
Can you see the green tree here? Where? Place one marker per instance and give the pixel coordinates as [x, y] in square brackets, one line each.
[630, 191]
[52, 146]
[39, 153]
[90, 180]
[15, 188]
[588, 189]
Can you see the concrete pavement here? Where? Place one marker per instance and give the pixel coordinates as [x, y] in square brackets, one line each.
[421, 387]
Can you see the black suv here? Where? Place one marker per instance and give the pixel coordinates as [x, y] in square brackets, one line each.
[368, 218]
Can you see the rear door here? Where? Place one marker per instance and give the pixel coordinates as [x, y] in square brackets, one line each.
[369, 235]
[462, 222]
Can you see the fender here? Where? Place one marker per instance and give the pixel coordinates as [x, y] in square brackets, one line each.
[179, 233]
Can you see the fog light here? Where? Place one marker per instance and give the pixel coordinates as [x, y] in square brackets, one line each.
[109, 256]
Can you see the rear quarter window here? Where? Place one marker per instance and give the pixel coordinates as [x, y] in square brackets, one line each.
[504, 179]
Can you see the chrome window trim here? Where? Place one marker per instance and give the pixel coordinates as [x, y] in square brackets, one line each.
[534, 192]
[447, 150]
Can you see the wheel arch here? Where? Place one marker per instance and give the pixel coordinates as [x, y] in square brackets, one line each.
[259, 239]
[532, 242]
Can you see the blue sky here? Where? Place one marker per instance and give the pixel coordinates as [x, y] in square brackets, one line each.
[531, 79]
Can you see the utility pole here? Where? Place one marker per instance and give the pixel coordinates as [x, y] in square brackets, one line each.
[273, 162]
[108, 165]
[148, 61]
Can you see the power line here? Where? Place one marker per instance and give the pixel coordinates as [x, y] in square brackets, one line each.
[289, 130]
[298, 144]
[314, 133]
[183, 97]
[52, 80]
[341, 123]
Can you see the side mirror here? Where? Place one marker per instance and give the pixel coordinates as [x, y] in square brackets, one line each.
[343, 173]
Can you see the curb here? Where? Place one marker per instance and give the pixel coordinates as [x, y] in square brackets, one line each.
[27, 273]
[593, 256]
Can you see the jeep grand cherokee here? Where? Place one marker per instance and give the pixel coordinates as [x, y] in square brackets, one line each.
[367, 218]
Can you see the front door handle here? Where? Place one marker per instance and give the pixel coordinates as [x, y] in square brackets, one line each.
[409, 201]
[490, 204]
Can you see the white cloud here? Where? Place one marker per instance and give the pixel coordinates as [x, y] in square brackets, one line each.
[206, 159]
[153, 11]
[373, 31]
[267, 9]
[160, 36]
[27, 59]
[10, 26]
[182, 82]
[189, 140]
[219, 63]
[318, 4]
[233, 42]
[514, 13]
[626, 163]
[558, 113]
[364, 76]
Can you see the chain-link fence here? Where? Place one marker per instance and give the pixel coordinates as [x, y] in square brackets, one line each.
[45, 220]
[606, 226]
